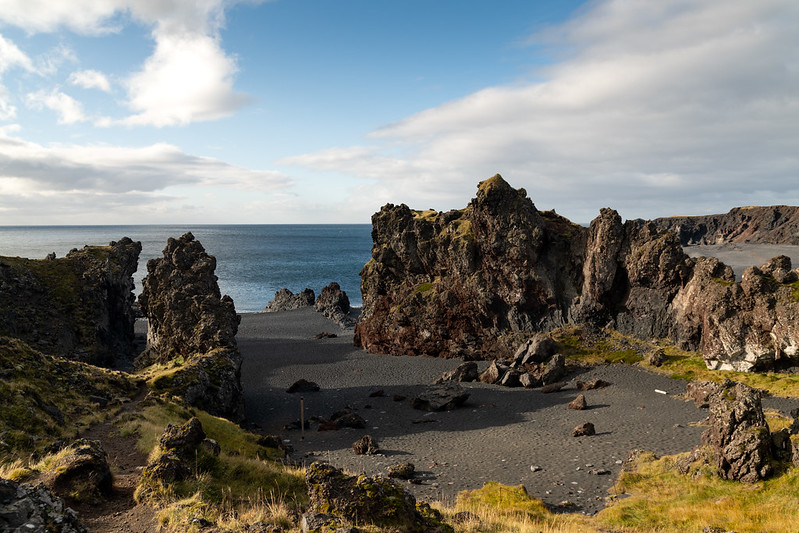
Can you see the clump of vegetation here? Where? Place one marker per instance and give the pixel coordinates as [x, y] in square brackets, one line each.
[498, 508]
[46, 399]
[243, 484]
[660, 498]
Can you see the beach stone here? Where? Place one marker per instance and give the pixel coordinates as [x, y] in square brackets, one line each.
[553, 387]
[348, 420]
[494, 373]
[583, 430]
[464, 372]
[24, 508]
[303, 385]
[401, 470]
[83, 474]
[285, 300]
[366, 445]
[539, 349]
[529, 381]
[554, 370]
[738, 434]
[442, 397]
[592, 384]
[366, 500]
[579, 403]
[512, 378]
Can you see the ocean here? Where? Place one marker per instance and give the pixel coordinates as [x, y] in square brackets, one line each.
[252, 261]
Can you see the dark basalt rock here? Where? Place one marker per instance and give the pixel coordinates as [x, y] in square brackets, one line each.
[584, 430]
[285, 300]
[35, 510]
[303, 385]
[470, 283]
[368, 500]
[464, 372]
[189, 320]
[366, 445]
[77, 307]
[83, 474]
[401, 470]
[183, 438]
[579, 403]
[738, 434]
[335, 305]
[186, 313]
[442, 397]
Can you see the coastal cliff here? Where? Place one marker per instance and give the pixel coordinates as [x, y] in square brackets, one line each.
[778, 224]
[77, 307]
[475, 282]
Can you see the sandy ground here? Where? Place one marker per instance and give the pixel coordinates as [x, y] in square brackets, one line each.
[741, 256]
[498, 435]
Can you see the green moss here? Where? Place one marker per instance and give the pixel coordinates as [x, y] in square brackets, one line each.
[723, 282]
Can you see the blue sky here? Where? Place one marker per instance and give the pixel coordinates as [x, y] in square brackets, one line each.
[218, 111]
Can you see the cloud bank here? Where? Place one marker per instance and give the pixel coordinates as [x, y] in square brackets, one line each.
[654, 108]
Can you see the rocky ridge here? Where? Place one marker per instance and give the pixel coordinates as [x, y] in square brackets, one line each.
[476, 282]
[77, 307]
[778, 224]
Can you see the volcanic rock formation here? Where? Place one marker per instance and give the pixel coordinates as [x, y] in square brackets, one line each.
[476, 282]
[189, 320]
[77, 307]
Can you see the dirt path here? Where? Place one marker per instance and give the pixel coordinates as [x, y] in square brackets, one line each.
[120, 513]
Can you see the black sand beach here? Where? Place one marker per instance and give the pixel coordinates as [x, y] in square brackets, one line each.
[498, 435]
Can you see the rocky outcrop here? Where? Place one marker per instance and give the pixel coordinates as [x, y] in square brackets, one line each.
[476, 283]
[738, 435]
[191, 323]
[337, 499]
[185, 311]
[82, 473]
[778, 224]
[285, 300]
[35, 510]
[77, 307]
[335, 305]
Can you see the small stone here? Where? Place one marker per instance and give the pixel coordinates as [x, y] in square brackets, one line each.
[366, 445]
[585, 429]
[535, 468]
[401, 471]
[303, 385]
[579, 403]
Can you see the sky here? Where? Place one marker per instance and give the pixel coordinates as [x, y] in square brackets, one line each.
[322, 111]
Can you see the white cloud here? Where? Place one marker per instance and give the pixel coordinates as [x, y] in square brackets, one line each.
[188, 78]
[114, 169]
[90, 79]
[655, 108]
[10, 57]
[69, 110]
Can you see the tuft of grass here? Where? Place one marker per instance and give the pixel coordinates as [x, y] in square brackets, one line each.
[662, 499]
[498, 508]
[244, 480]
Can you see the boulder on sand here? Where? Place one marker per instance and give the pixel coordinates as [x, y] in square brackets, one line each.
[442, 397]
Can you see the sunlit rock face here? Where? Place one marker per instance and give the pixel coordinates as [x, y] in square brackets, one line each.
[476, 282]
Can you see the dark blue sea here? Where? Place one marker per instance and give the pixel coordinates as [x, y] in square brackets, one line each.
[253, 261]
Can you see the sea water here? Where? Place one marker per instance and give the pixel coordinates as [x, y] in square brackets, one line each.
[252, 261]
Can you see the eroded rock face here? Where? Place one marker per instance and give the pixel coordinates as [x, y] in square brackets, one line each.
[777, 224]
[474, 283]
[189, 320]
[185, 311]
[78, 306]
[738, 434]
